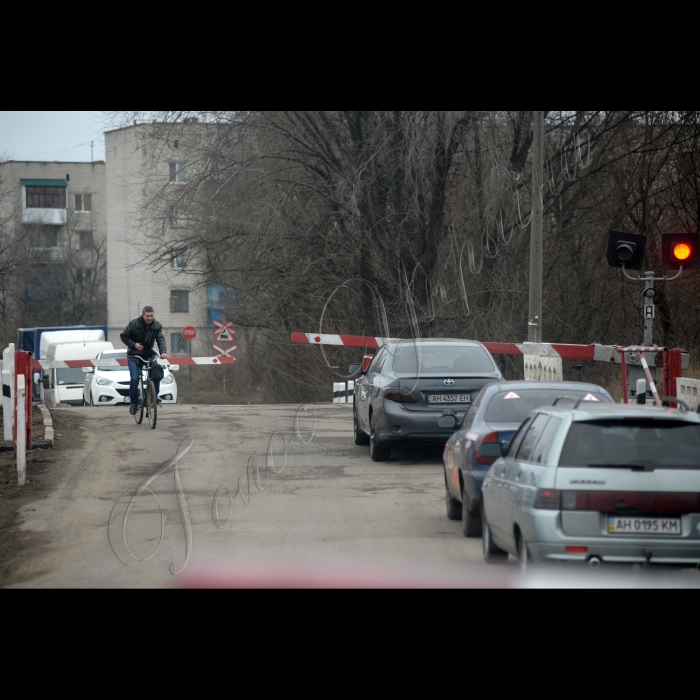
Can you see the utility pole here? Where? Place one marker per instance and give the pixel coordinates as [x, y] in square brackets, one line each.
[649, 294]
[534, 324]
[92, 157]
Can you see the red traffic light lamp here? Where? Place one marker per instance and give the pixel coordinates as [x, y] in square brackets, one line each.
[680, 250]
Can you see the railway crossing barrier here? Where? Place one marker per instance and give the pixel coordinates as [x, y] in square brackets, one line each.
[544, 360]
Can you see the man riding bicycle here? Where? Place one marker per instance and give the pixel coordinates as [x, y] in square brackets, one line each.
[139, 337]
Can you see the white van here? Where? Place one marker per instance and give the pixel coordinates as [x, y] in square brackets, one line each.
[64, 387]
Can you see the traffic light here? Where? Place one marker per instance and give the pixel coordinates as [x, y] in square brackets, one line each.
[680, 250]
[626, 249]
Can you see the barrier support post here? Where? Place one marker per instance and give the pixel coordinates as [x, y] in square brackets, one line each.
[23, 368]
[673, 368]
[623, 367]
[21, 443]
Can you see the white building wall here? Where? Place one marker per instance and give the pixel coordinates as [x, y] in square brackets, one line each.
[131, 284]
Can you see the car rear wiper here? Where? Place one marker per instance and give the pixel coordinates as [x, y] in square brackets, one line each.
[634, 466]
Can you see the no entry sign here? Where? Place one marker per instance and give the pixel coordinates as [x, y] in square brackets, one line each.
[189, 332]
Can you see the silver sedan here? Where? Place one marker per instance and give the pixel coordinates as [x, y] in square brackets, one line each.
[602, 483]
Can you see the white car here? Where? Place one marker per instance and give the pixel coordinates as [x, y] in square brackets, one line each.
[108, 386]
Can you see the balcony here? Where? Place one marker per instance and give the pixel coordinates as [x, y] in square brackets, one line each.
[44, 201]
[49, 216]
[52, 254]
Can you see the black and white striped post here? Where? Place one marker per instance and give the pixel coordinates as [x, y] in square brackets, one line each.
[8, 391]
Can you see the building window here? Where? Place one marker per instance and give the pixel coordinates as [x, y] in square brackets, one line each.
[86, 275]
[83, 202]
[180, 258]
[51, 237]
[85, 240]
[178, 172]
[179, 300]
[178, 345]
[46, 197]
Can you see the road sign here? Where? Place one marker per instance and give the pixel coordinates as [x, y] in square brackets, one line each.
[224, 332]
[649, 311]
[225, 353]
[189, 332]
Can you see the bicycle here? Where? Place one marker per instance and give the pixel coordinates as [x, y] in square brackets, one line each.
[147, 388]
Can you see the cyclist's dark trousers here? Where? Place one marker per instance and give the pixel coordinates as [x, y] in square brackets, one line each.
[134, 368]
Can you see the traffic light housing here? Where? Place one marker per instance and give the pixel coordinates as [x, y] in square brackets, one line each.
[626, 249]
[680, 250]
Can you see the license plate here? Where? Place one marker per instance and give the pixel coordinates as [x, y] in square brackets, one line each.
[621, 525]
[448, 398]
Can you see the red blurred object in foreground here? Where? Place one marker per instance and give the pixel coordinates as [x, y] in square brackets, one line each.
[265, 574]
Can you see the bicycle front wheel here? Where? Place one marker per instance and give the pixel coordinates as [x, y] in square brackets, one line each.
[152, 404]
[138, 416]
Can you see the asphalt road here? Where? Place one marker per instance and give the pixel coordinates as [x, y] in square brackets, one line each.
[331, 517]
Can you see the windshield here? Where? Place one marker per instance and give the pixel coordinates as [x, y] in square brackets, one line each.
[646, 443]
[73, 375]
[514, 406]
[112, 356]
[452, 359]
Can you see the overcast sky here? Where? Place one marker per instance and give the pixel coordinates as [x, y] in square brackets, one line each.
[63, 136]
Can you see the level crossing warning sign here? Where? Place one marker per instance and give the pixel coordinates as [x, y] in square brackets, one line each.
[224, 332]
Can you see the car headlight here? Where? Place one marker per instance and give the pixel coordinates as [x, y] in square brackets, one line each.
[102, 381]
[167, 380]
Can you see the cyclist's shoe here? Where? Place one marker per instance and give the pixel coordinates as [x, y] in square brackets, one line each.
[132, 409]
[160, 400]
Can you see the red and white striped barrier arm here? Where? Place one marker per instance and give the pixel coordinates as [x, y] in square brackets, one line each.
[358, 341]
[563, 350]
[63, 364]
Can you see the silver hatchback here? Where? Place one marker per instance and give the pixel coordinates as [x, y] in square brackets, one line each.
[597, 483]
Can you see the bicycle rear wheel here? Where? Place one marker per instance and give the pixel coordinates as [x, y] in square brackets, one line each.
[152, 404]
[138, 416]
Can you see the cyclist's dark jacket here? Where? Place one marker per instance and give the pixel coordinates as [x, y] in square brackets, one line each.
[138, 332]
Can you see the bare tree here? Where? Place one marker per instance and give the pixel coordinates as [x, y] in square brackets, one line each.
[416, 223]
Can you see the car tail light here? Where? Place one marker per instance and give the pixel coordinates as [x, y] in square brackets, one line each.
[632, 502]
[478, 458]
[399, 394]
[548, 498]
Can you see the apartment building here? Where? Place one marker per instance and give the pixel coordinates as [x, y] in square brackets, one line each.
[134, 177]
[53, 228]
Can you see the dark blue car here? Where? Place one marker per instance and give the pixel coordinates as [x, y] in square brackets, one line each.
[497, 412]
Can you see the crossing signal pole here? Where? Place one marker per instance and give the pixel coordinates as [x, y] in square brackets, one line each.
[679, 251]
[534, 323]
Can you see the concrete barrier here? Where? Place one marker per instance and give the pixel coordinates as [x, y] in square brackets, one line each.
[689, 391]
[543, 369]
[343, 393]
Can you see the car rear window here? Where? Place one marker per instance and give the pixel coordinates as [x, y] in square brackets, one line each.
[71, 375]
[649, 443]
[514, 406]
[112, 356]
[455, 359]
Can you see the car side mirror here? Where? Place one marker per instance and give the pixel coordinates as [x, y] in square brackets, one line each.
[45, 381]
[88, 370]
[500, 366]
[491, 449]
[355, 368]
[174, 368]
